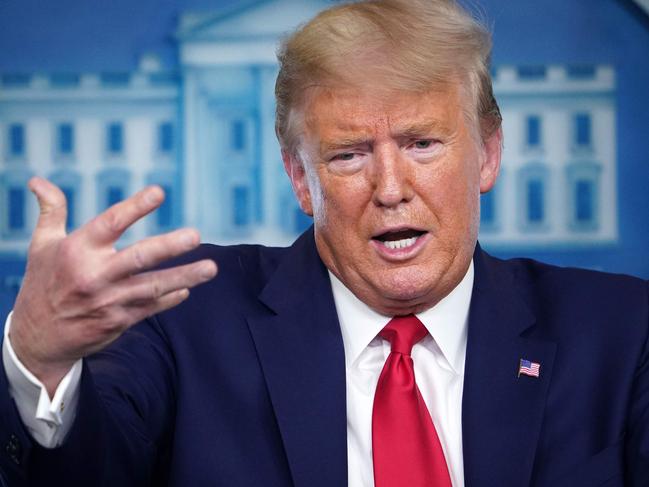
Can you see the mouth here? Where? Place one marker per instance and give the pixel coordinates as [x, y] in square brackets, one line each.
[399, 239]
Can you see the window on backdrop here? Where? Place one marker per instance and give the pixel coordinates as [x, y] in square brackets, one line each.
[16, 140]
[165, 137]
[65, 139]
[240, 206]
[115, 138]
[17, 209]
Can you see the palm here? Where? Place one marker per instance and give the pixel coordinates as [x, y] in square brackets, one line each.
[80, 293]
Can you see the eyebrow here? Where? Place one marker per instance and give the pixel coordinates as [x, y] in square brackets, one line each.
[418, 129]
[412, 130]
[344, 142]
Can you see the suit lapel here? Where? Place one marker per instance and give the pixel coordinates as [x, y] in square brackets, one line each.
[300, 347]
[501, 412]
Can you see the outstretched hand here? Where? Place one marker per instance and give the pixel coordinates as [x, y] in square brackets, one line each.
[80, 293]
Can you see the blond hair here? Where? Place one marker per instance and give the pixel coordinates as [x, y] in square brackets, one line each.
[400, 45]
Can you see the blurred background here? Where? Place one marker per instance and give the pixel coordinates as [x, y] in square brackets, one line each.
[103, 98]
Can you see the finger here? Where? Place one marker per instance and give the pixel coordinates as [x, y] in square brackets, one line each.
[111, 224]
[151, 286]
[161, 304]
[150, 252]
[52, 207]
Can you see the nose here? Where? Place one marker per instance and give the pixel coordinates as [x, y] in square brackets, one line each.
[392, 177]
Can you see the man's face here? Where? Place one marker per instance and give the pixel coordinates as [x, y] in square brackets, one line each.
[393, 184]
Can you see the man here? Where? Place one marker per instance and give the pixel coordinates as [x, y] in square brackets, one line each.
[295, 366]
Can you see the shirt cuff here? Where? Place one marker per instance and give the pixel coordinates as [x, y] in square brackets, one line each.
[48, 421]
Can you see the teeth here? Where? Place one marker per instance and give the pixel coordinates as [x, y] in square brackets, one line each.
[400, 244]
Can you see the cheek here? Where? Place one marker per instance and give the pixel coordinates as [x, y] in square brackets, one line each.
[337, 199]
[468, 194]
[453, 192]
[315, 192]
[329, 204]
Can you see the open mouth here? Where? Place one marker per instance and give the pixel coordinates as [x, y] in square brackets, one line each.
[401, 239]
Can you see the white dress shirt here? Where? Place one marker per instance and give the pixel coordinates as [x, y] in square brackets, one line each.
[439, 372]
[47, 420]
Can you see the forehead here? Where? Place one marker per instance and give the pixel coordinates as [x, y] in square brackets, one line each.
[351, 112]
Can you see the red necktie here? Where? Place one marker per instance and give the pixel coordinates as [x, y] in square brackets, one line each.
[406, 449]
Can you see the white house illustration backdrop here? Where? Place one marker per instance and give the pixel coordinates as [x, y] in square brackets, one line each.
[203, 129]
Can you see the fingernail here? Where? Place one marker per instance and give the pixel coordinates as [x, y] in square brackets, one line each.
[188, 239]
[208, 270]
[33, 185]
[152, 197]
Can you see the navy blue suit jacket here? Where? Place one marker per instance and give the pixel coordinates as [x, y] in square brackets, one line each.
[244, 384]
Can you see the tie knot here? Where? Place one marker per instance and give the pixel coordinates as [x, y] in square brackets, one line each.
[403, 332]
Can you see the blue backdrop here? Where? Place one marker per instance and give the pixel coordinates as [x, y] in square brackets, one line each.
[105, 97]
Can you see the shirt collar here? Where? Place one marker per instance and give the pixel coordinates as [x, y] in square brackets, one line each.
[446, 321]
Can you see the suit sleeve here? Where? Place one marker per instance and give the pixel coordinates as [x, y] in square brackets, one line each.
[122, 427]
[637, 434]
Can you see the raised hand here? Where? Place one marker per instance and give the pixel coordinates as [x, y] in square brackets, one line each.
[79, 293]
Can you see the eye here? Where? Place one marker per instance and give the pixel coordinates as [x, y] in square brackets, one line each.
[422, 144]
[423, 150]
[347, 162]
[423, 147]
[345, 156]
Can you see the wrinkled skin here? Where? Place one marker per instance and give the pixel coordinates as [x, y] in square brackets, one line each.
[369, 166]
[79, 293]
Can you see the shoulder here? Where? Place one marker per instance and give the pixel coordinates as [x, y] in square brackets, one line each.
[241, 268]
[579, 302]
[549, 284]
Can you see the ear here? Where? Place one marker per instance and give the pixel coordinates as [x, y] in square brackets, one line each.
[294, 168]
[490, 167]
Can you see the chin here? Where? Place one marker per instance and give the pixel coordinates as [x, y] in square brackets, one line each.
[409, 290]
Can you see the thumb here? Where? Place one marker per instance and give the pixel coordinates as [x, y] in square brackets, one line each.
[52, 205]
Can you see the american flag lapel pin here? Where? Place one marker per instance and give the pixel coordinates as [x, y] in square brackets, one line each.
[527, 367]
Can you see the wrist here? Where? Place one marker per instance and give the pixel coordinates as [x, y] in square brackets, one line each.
[21, 345]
